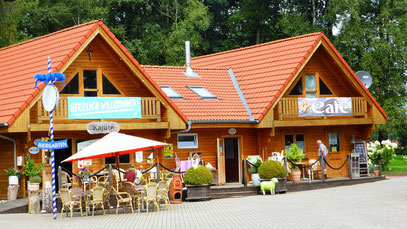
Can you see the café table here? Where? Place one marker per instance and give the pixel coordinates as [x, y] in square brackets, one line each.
[303, 169]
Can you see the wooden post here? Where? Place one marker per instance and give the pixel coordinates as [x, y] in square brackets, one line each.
[244, 166]
[286, 167]
[379, 162]
[158, 172]
[110, 175]
[322, 163]
[59, 177]
[350, 166]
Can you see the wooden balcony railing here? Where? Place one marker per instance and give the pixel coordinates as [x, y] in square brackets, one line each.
[150, 109]
[288, 107]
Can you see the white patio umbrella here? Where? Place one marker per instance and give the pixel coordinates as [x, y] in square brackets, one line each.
[113, 145]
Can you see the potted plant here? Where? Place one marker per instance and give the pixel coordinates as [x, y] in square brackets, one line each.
[255, 164]
[31, 169]
[13, 176]
[198, 182]
[274, 169]
[35, 183]
[295, 155]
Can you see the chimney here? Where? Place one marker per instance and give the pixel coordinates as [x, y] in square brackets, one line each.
[188, 70]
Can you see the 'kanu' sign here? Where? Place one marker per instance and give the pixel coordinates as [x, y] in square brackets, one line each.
[102, 127]
[335, 106]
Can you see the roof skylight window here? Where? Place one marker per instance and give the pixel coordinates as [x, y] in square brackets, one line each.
[201, 91]
[171, 92]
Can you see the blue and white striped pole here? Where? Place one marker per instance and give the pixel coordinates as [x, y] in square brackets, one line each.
[51, 130]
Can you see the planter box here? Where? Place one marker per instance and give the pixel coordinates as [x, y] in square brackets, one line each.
[198, 192]
[34, 186]
[13, 180]
[281, 186]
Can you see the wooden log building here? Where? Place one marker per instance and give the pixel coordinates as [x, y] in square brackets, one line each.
[226, 105]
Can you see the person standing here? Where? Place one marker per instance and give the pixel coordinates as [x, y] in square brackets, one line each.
[322, 151]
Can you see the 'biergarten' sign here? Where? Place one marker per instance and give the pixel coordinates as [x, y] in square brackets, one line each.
[62, 144]
[331, 106]
[104, 107]
[103, 127]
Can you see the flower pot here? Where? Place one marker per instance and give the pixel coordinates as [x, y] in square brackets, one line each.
[256, 179]
[198, 192]
[376, 172]
[34, 186]
[12, 192]
[296, 175]
[13, 180]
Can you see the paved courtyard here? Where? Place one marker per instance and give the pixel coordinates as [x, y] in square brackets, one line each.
[381, 204]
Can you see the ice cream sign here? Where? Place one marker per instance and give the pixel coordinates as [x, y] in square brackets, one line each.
[331, 106]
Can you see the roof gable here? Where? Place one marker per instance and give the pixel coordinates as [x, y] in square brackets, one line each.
[20, 62]
[266, 70]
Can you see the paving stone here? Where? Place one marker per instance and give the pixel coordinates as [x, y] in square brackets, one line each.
[380, 204]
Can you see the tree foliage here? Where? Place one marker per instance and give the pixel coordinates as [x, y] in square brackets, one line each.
[370, 34]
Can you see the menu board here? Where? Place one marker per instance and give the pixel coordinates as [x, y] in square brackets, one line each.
[360, 149]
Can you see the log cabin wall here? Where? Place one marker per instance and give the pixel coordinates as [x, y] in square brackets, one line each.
[207, 144]
[312, 134]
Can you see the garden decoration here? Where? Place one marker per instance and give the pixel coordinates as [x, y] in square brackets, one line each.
[269, 186]
[50, 99]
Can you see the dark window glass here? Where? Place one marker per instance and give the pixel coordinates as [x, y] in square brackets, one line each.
[91, 93]
[323, 89]
[123, 159]
[186, 138]
[72, 87]
[289, 139]
[334, 142]
[299, 140]
[108, 87]
[89, 79]
[297, 89]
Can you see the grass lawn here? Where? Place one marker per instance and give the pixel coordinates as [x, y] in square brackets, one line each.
[398, 166]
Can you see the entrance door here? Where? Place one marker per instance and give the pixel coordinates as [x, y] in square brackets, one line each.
[232, 160]
[221, 162]
[60, 155]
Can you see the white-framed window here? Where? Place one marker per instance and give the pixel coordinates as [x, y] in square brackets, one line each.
[201, 91]
[171, 93]
[187, 141]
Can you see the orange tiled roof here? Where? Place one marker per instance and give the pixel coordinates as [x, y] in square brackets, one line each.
[264, 70]
[228, 106]
[20, 62]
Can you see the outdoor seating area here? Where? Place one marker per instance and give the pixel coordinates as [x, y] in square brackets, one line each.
[93, 194]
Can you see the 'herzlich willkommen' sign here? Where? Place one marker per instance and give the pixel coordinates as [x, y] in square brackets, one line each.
[331, 106]
[104, 107]
[62, 144]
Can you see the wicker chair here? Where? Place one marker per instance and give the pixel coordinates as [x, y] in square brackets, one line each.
[106, 198]
[130, 188]
[150, 195]
[97, 198]
[162, 193]
[103, 180]
[315, 168]
[69, 202]
[124, 199]
[66, 180]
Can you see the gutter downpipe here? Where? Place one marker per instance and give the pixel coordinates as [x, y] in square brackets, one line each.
[15, 149]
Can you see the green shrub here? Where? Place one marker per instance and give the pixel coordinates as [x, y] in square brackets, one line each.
[252, 170]
[13, 172]
[30, 168]
[271, 169]
[35, 179]
[199, 176]
[254, 167]
[295, 154]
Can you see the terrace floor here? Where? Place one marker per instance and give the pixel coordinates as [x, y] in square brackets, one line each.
[380, 204]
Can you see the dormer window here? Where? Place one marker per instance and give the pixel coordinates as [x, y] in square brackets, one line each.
[90, 83]
[202, 92]
[310, 86]
[171, 93]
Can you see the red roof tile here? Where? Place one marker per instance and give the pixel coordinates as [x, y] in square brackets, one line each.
[264, 70]
[228, 106]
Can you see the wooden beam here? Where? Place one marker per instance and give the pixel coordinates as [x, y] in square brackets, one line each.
[324, 122]
[82, 126]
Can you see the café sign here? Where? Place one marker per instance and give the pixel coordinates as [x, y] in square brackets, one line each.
[103, 127]
[104, 107]
[330, 106]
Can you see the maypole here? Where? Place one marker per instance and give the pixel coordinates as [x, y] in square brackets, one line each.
[50, 99]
